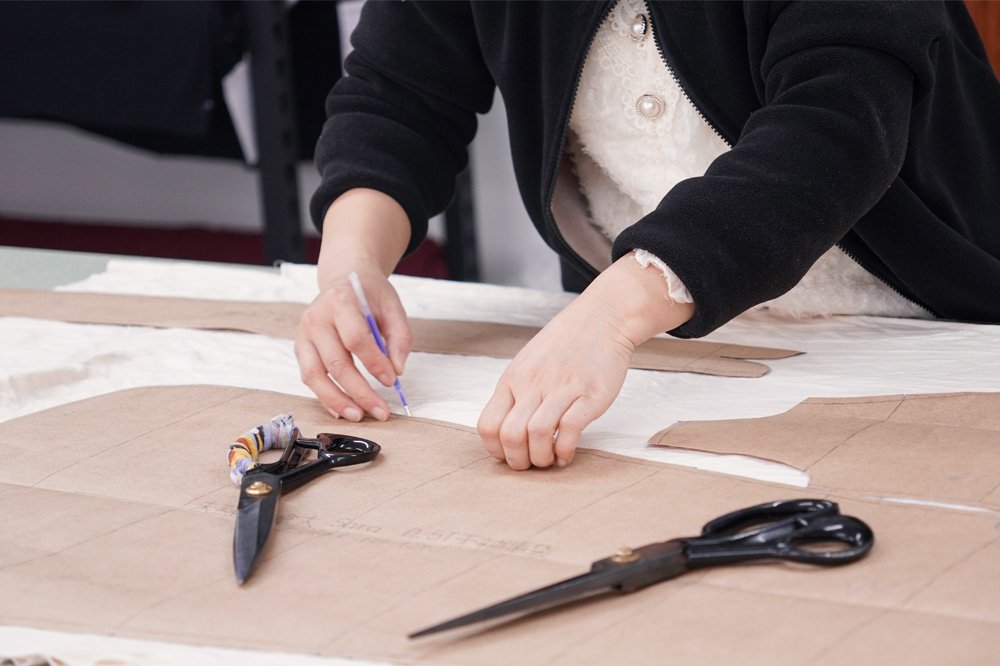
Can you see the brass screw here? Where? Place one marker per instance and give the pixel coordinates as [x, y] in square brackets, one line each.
[625, 554]
[258, 489]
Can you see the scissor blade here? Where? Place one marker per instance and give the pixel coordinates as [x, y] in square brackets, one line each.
[255, 515]
[592, 581]
[625, 572]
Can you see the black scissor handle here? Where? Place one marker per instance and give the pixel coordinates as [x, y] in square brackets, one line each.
[742, 518]
[331, 451]
[344, 450]
[777, 530]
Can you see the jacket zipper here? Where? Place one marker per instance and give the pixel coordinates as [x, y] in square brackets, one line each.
[677, 80]
[853, 257]
[563, 131]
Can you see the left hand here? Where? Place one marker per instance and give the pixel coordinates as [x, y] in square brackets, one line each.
[569, 374]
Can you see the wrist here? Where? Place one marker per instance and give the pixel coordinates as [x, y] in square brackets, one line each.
[362, 230]
[637, 297]
[333, 269]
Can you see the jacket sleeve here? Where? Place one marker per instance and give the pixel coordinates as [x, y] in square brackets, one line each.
[401, 119]
[836, 82]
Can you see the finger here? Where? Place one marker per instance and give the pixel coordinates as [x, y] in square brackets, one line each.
[577, 417]
[358, 338]
[514, 432]
[492, 418]
[313, 374]
[542, 427]
[398, 337]
[339, 365]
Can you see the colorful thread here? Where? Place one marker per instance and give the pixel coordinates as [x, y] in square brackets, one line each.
[275, 434]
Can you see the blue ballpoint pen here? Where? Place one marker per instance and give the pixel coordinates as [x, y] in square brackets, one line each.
[352, 277]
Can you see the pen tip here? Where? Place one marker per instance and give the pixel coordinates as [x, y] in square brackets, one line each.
[408, 412]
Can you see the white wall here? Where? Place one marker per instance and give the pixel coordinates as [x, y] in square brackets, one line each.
[56, 172]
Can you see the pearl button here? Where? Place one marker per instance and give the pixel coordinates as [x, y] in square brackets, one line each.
[649, 106]
[640, 24]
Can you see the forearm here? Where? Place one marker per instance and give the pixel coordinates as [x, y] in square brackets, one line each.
[362, 228]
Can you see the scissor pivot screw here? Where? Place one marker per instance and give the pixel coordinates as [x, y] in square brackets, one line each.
[623, 555]
[258, 489]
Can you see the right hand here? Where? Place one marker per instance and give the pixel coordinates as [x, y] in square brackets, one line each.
[333, 328]
[364, 231]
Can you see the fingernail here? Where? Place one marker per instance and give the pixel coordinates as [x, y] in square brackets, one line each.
[560, 462]
[353, 414]
[385, 379]
[333, 413]
[380, 413]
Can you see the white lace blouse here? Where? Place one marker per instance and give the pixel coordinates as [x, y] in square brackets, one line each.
[634, 135]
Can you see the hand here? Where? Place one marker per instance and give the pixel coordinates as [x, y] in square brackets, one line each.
[364, 231]
[566, 377]
[569, 374]
[333, 327]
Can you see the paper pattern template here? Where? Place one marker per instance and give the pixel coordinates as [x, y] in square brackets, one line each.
[941, 447]
[439, 336]
[505, 340]
[118, 520]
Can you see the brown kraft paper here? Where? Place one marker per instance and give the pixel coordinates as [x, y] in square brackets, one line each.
[118, 520]
[938, 447]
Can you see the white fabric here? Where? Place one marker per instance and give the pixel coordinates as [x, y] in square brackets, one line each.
[626, 163]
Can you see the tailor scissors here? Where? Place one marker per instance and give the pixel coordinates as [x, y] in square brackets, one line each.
[771, 531]
[262, 484]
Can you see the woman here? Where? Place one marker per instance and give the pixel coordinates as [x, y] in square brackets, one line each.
[687, 161]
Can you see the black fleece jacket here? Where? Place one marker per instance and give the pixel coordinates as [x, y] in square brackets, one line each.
[872, 125]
